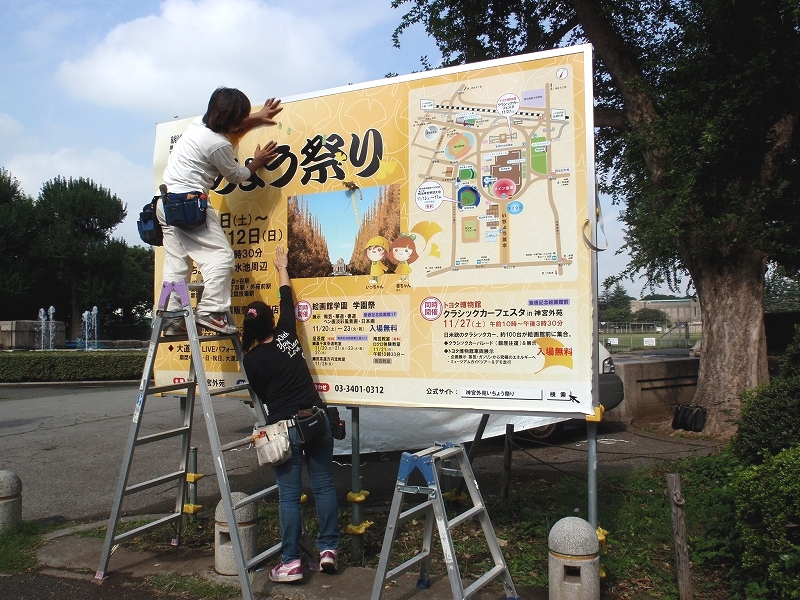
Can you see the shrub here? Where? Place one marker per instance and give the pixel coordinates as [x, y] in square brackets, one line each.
[71, 366]
[768, 520]
[790, 360]
[770, 420]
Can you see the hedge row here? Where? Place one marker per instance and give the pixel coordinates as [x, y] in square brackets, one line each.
[18, 367]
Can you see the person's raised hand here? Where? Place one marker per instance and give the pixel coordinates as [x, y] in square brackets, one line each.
[266, 154]
[271, 108]
[281, 259]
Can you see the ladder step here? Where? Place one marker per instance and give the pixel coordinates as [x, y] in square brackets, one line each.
[413, 512]
[483, 580]
[259, 558]
[152, 525]
[256, 496]
[237, 443]
[172, 387]
[228, 390]
[146, 485]
[407, 566]
[155, 437]
[465, 516]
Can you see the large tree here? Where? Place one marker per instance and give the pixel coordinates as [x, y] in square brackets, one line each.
[75, 219]
[17, 231]
[697, 103]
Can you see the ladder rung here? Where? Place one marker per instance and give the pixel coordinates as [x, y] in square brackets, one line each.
[256, 496]
[237, 443]
[228, 390]
[465, 516]
[407, 566]
[263, 556]
[146, 485]
[446, 453]
[483, 580]
[413, 512]
[168, 388]
[148, 527]
[155, 437]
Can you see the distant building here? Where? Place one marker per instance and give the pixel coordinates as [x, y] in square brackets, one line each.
[678, 310]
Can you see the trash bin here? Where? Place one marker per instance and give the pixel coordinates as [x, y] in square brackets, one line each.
[574, 560]
[247, 518]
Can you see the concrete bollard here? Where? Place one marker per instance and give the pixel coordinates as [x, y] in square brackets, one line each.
[10, 500]
[573, 561]
[247, 518]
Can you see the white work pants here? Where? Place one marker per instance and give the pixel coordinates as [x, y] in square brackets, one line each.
[207, 246]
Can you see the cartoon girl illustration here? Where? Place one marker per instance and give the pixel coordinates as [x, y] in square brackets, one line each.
[376, 249]
[402, 252]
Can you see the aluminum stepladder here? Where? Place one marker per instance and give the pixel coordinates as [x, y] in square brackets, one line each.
[195, 382]
[431, 464]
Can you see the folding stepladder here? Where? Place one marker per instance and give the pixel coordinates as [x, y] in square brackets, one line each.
[431, 463]
[195, 382]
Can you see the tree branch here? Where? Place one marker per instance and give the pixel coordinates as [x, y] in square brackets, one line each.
[779, 138]
[616, 118]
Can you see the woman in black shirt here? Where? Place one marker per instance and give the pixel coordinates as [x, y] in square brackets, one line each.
[278, 373]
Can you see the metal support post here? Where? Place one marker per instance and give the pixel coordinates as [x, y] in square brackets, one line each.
[508, 451]
[355, 483]
[591, 436]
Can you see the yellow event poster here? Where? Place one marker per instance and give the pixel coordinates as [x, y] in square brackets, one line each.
[434, 224]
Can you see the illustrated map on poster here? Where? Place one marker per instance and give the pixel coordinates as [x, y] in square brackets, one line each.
[434, 225]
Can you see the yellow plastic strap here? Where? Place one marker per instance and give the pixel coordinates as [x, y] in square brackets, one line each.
[598, 414]
[359, 529]
[601, 537]
[194, 477]
[357, 496]
[192, 508]
[451, 495]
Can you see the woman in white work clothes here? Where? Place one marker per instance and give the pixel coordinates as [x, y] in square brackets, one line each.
[203, 153]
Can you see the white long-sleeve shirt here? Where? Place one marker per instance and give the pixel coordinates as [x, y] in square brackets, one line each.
[198, 158]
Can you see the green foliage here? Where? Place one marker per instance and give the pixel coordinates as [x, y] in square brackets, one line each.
[769, 421]
[71, 366]
[18, 547]
[790, 360]
[781, 290]
[614, 304]
[17, 226]
[651, 315]
[58, 251]
[768, 518]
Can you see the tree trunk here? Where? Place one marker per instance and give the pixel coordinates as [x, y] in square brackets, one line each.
[733, 356]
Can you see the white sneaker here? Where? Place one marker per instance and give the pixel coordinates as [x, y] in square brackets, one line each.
[216, 322]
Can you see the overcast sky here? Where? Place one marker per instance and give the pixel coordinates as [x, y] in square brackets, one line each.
[86, 81]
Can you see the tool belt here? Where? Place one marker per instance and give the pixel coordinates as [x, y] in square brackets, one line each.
[185, 210]
[311, 424]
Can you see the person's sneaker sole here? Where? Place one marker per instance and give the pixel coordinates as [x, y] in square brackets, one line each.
[223, 329]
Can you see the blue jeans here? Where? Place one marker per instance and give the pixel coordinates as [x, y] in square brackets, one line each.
[290, 486]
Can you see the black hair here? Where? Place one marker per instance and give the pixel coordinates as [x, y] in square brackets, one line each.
[227, 108]
[259, 324]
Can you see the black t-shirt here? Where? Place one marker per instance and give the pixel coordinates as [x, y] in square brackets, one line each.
[277, 370]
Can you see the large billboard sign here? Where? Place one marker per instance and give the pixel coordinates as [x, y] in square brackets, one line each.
[435, 228]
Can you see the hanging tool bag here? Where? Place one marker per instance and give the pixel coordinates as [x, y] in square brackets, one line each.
[185, 210]
[272, 443]
[311, 425]
[148, 225]
[337, 424]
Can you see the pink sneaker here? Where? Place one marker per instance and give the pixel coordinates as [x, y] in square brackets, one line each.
[327, 562]
[291, 571]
